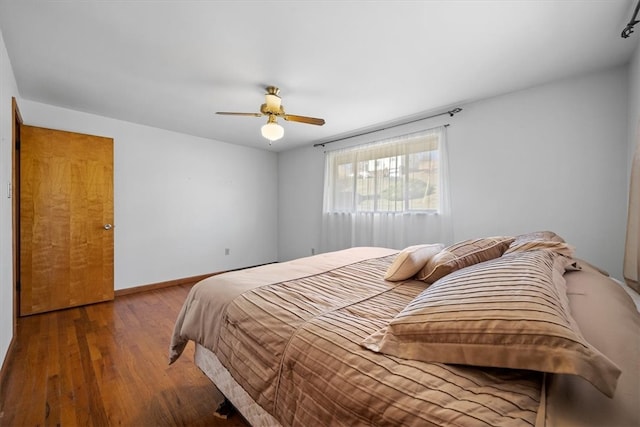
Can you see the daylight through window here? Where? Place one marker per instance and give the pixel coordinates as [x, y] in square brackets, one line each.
[397, 175]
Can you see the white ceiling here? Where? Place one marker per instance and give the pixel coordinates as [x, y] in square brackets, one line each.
[357, 64]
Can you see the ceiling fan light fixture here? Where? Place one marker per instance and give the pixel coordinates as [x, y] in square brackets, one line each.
[272, 130]
[272, 108]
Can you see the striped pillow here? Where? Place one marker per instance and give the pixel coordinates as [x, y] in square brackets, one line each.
[410, 261]
[463, 254]
[510, 312]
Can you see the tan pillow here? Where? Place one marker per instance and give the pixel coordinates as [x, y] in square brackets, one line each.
[533, 245]
[510, 312]
[463, 254]
[410, 261]
[538, 235]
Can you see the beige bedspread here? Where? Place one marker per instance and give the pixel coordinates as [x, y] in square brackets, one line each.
[203, 312]
[291, 336]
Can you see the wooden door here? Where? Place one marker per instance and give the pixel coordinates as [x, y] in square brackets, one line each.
[66, 213]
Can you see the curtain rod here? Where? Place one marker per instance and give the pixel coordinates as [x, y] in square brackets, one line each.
[634, 20]
[450, 113]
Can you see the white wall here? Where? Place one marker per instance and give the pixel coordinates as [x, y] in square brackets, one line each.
[8, 89]
[179, 200]
[300, 184]
[550, 157]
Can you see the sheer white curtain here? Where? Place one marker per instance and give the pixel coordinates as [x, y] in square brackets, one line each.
[393, 193]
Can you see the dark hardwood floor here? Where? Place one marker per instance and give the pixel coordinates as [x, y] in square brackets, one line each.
[106, 365]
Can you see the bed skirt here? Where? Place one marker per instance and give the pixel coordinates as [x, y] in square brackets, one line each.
[218, 374]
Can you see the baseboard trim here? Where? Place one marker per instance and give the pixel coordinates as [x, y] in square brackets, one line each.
[177, 282]
[7, 357]
[153, 286]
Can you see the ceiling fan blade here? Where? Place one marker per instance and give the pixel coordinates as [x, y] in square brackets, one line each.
[226, 113]
[303, 119]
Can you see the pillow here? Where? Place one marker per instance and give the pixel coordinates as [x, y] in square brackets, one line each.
[538, 235]
[510, 312]
[561, 248]
[463, 254]
[410, 261]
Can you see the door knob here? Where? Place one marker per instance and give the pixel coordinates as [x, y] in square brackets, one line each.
[108, 226]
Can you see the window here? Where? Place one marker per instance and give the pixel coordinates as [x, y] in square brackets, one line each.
[392, 193]
[400, 175]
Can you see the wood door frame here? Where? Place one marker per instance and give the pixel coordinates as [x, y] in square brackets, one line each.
[16, 120]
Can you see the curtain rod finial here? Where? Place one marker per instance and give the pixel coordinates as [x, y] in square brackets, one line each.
[626, 33]
[629, 28]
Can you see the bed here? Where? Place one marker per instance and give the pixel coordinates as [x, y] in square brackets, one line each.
[498, 331]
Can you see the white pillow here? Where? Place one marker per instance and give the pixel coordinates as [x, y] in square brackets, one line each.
[411, 260]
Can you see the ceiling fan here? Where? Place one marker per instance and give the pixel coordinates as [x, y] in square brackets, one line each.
[272, 108]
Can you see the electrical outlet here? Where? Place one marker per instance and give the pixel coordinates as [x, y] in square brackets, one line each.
[226, 251]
